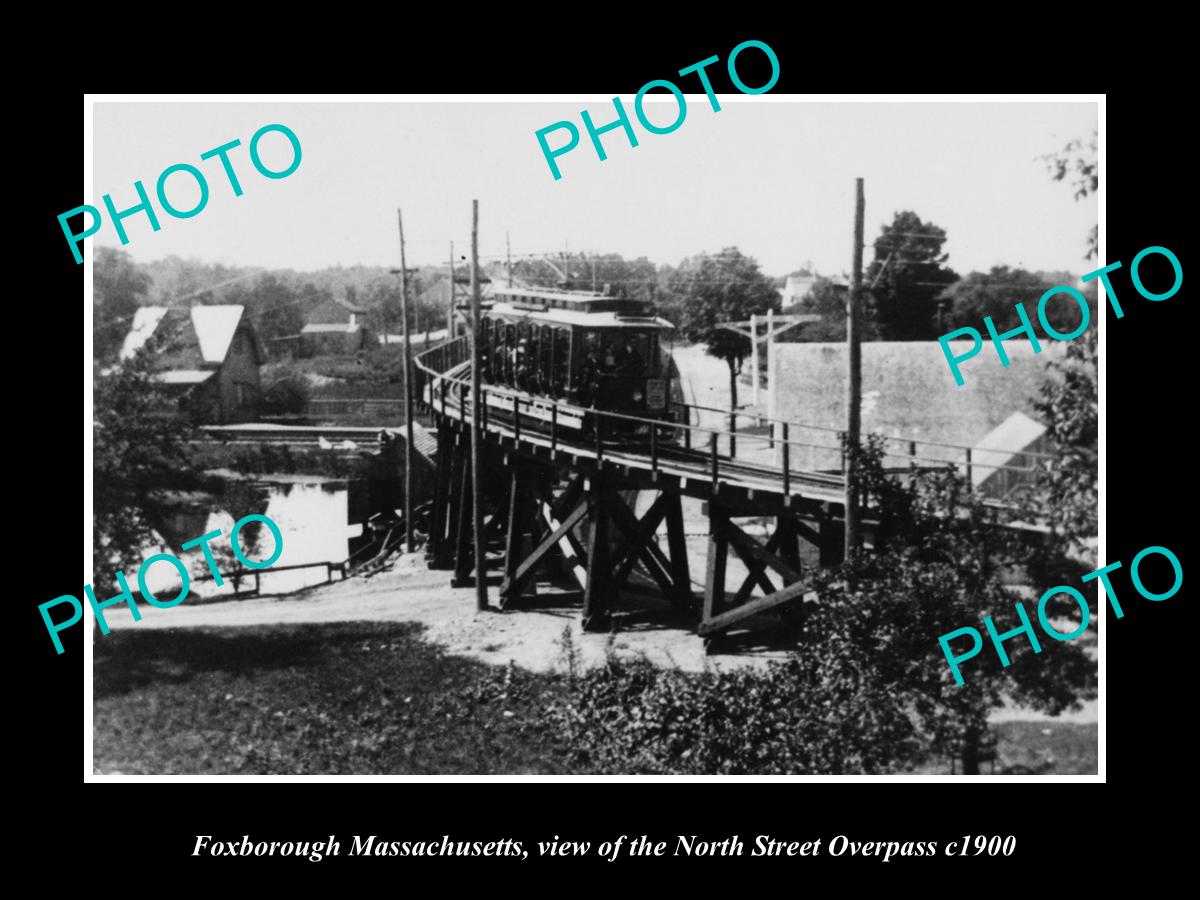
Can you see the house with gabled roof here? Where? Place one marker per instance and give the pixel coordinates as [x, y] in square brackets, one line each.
[209, 358]
[335, 327]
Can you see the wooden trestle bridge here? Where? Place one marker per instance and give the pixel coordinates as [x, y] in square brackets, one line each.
[558, 497]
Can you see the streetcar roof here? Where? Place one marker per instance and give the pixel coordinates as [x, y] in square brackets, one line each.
[585, 319]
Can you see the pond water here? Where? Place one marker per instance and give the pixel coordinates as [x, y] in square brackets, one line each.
[313, 517]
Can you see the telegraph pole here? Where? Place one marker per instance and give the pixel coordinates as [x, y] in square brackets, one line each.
[408, 409]
[450, 308]
[508, 254]
[481, 598]
[854, 380]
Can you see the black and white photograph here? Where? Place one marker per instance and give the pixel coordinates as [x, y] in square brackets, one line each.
[523, 436]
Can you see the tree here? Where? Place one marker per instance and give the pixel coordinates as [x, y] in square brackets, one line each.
[827, 299]
[383, 304]
[118, 287]
[272, 305]
[1079, 159]
[995, 293]
[140, 455]
[907, 274]
[940, 569]
[711, 290]
[1066, 496]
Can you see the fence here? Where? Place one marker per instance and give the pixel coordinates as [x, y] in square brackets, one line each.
[430, 382]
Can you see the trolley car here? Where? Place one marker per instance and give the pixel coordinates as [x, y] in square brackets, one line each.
[584, 350]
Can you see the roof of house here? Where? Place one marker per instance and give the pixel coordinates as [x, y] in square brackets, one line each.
[333, 311]
[185, 376]
[213, 326]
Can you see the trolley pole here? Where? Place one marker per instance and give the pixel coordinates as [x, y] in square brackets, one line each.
[481, 597]
[408, 398]
[854, 380]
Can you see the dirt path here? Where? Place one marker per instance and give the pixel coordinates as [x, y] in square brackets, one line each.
[531, 638]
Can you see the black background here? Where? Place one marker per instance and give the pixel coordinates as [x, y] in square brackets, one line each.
[1150, 405]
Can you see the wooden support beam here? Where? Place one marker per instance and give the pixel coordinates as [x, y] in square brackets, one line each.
[463, 557]
[832, 541]
[744, 542]
[722, 621]
[527, 565]
[757, 575]
[718, 554]
[570, 548]
[789, 542]
[635, 546]
[755, 567]
[437, 521]
[677, 544]
[654, 559]
[521, 519]
[597, 593]
[812, 535]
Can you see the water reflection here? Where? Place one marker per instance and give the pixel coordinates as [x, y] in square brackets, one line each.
[312, 516]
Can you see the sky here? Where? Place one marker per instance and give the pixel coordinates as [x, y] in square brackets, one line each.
[770, 174]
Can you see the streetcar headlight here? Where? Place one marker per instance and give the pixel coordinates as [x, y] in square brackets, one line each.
[637, 396]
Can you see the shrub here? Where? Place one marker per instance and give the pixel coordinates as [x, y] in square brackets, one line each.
[802, 716]
[288, 395]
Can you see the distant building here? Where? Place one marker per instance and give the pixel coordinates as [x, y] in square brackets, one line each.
[211, 360]
[335, 327]
[796, 293]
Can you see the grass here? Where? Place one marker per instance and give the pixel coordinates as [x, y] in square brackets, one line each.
[347, 698]
[373, 698]
[1040, 748]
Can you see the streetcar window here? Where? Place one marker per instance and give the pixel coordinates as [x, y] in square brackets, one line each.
[533, 359]
[510, 352]
[498, 351]
[610, 347]
[599, 350]
[522, 362]
[546, 357]
[632, 353]
[562, 359]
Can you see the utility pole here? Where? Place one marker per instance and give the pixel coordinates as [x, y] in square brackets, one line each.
[593, 257]
[481, 598]
[854, 380]
[450, 308]
[408, 410]
[508, 255]
[754, 354]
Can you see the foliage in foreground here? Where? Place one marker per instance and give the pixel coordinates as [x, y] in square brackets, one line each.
[140, 457]
[797, 717]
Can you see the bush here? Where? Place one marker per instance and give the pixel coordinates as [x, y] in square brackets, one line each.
[287, 396]
[801, 716]
[277, 459]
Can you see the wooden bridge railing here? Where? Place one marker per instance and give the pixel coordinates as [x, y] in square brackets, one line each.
[433, 377]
